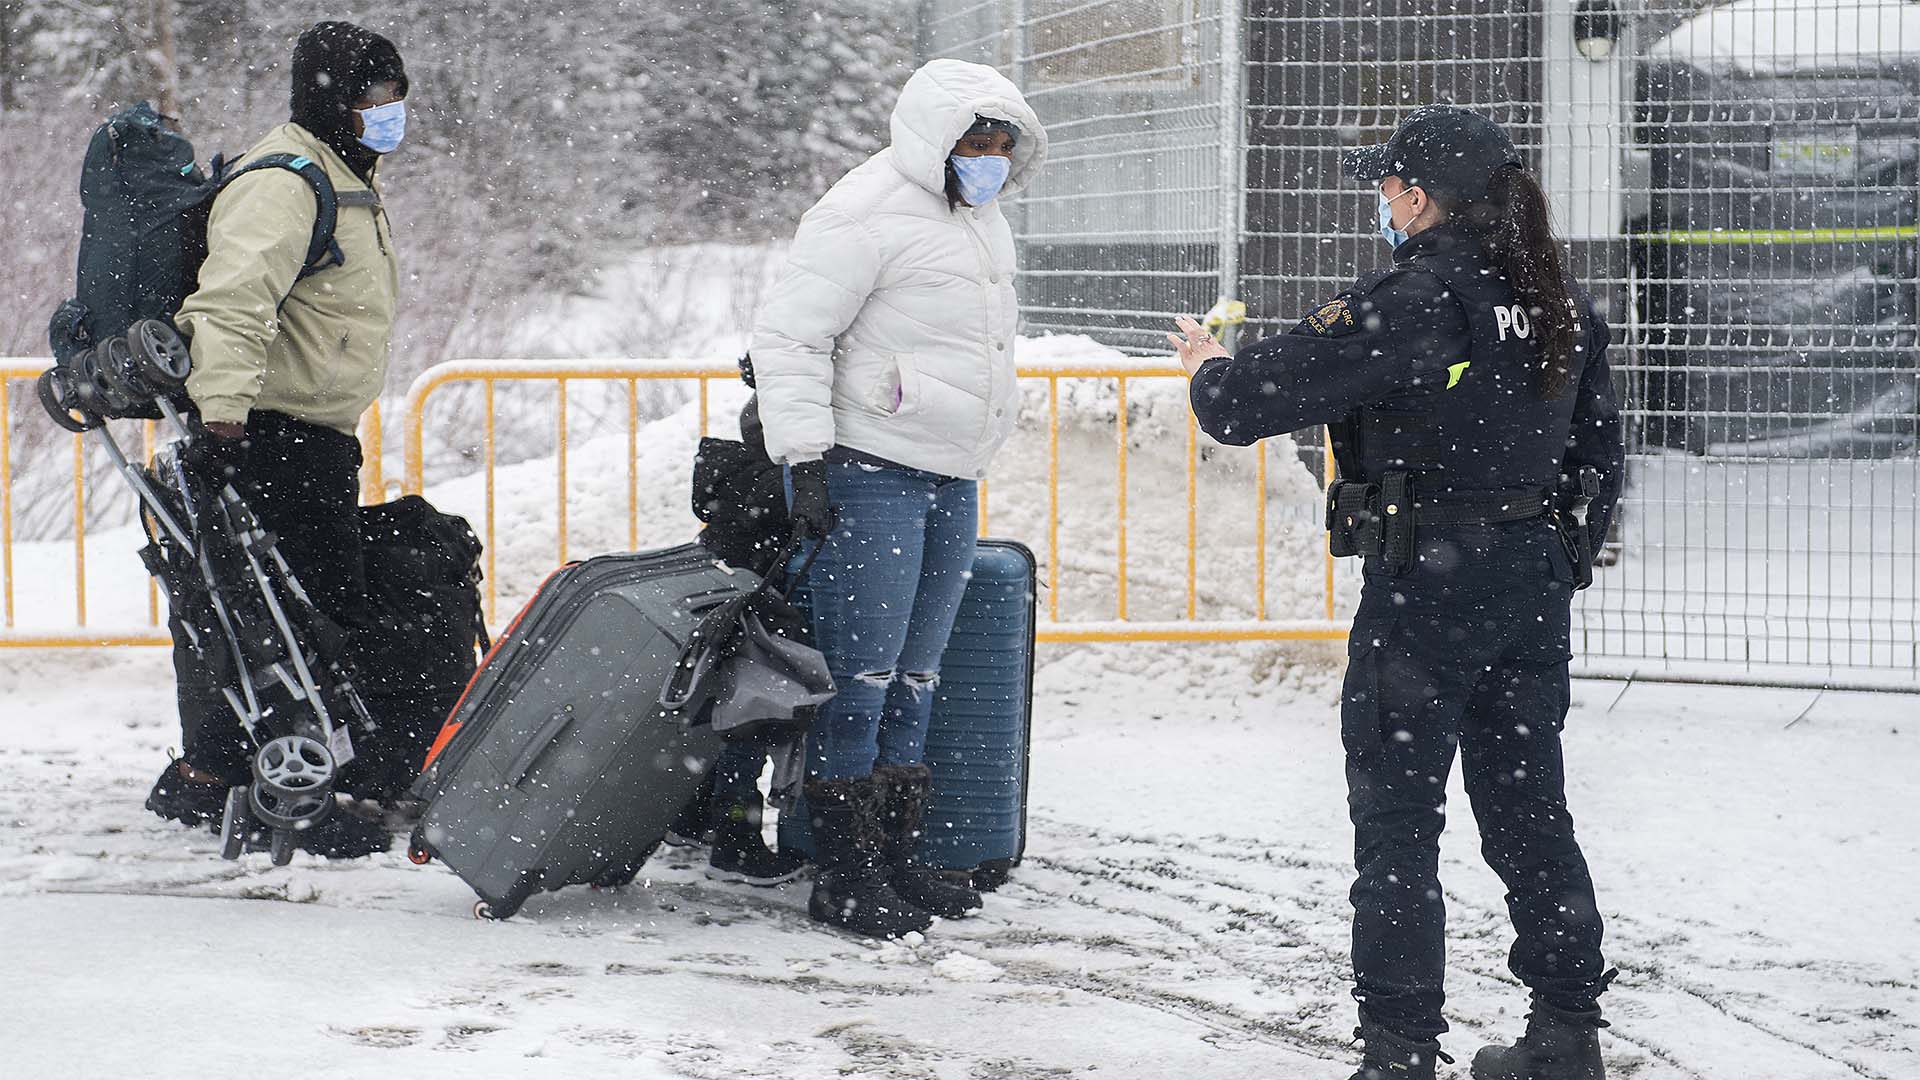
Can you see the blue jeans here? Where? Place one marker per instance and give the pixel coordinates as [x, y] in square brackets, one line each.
[885, 590]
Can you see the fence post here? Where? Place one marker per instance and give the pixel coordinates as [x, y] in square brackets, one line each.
[1233, 189]
[1020, 217]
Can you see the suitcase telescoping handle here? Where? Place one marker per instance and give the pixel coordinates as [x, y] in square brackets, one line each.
[702, 653]
[536, 746]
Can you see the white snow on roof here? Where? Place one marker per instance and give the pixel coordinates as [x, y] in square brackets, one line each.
[1781, 37]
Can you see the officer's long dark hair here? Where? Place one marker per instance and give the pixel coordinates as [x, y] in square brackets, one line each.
[1517, 233]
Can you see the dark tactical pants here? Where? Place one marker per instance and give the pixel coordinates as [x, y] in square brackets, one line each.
[303, 482]
[1468, 650]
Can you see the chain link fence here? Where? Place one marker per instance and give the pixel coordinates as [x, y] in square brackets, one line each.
[1138, 212]
[1737, 182]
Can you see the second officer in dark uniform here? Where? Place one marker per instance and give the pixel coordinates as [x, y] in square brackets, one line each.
[1466, 391]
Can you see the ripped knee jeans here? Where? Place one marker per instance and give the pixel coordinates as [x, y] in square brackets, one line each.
[884, 593]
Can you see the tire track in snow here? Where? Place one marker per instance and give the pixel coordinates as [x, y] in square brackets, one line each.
[1149, 874]
[1634, 937]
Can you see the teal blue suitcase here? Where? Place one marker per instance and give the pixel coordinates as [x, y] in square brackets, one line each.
[977, 744]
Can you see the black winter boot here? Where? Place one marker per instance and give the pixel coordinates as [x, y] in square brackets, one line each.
[852, 886]
[1558, 1045]
[904, 790]
[343, 834]
[740, 853]
[176, 798]
[1392, 1057]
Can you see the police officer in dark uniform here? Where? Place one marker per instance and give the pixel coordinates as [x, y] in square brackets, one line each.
[1466, 393]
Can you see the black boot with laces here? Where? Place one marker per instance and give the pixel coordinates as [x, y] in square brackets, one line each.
[1394, 1057]
[1560, 1044]
[197, 804]
[741, 855]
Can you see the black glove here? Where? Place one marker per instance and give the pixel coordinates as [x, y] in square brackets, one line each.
[213, 455]
[811, 512]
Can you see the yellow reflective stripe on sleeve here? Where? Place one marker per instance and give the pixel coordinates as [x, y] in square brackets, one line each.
[1454, 371]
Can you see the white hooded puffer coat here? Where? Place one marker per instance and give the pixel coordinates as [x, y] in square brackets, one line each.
[891, 328]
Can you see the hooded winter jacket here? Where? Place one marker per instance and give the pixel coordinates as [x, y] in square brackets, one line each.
[315, 350]
[890, 331]
[321, 356]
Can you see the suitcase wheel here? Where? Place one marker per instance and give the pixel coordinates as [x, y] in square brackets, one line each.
[990, 875]
[417, 852]
[506, 906]
[491, 912]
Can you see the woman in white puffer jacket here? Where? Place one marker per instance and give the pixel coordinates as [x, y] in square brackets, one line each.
[884, 363]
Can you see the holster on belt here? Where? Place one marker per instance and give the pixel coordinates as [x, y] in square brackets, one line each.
[1352, 525]
[1570, 518]
[1373, 520]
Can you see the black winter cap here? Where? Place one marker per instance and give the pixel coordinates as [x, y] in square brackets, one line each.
[1443, 148]
[987, 125]
[334, 65]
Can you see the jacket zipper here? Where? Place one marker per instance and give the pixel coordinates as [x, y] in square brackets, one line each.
[379, 234]
[980, 248]
[992, 285]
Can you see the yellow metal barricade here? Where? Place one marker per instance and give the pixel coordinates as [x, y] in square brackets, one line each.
[16, 390]
[561, 373]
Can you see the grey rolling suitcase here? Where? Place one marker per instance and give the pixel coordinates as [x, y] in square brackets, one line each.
[560, 766]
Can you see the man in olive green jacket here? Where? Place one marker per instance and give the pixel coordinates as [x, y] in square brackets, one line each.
[283, 366]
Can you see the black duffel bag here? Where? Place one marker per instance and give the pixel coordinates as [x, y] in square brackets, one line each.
[417, 650]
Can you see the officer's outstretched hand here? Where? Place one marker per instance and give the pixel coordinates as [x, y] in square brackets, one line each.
[1195, 345]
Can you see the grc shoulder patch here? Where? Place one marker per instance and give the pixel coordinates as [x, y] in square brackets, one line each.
[1333, 319]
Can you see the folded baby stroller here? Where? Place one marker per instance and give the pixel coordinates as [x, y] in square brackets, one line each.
[279, 664]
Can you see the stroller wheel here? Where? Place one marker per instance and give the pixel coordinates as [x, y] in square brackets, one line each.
[159, 355]
[294, 766]
[62, 402]
[286, 813]
[282, 847]
[235, 823]
[115, 381]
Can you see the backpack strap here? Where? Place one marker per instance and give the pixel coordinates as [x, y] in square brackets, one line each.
[322, 251]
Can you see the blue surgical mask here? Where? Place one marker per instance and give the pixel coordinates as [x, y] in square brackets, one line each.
[1394, 237]
[981, 178]
[384, 127]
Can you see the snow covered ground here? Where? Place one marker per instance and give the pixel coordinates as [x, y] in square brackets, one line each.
[1182, 910]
